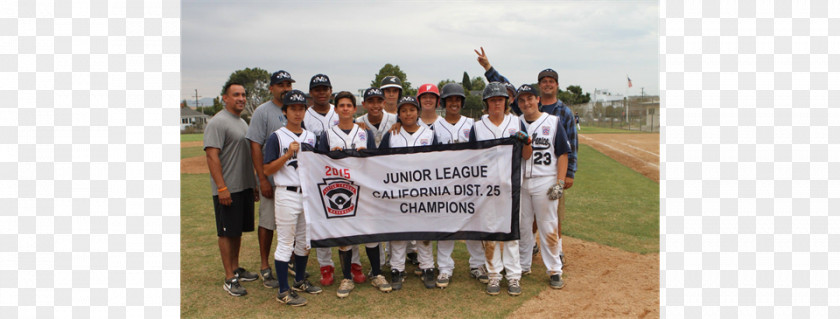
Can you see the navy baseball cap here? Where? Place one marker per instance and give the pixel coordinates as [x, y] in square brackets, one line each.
[294, 97]
[526, 89]
[408, 100]
[548, 72]
[281, 76]
[373, 92]
[319, 80]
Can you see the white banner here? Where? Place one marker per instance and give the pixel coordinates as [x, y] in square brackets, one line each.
[440, 192]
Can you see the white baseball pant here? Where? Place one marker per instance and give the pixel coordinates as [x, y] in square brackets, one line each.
[503, 255]
[290, 224]
[534, 204]
[476, 250]
[444, 256]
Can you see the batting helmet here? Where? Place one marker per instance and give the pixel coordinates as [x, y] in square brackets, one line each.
[428, 88]
[390, 82]
[452, 89]
[494, 89]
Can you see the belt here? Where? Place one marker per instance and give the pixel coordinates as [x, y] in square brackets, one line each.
[293, 189]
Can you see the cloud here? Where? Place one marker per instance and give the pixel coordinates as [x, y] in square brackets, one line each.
[592, 43]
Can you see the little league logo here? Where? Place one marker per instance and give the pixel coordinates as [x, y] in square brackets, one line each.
[545, 130]
[334, 122]
[339, 197]
[466, 132]
[424, 141]
[362, 136]
[512, 131]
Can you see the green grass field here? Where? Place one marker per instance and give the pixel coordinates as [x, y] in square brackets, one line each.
[609, 204]
[192, 137]
[601, 130]
[187, 152]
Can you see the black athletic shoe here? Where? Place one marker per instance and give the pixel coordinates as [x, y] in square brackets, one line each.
[397, 278]
[429, 278]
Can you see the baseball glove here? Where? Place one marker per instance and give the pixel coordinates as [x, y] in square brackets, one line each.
[523, 137]
[554, 192]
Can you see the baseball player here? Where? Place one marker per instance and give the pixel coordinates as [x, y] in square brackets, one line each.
[455, 128]
[429, 97]
[348, 135]
[280, 161]
[233, 182]
[320, 117]
[499, 123]
[378, 122]
[266, 119]
[411, 134]
[375, 119]
[542, 184]
[391, 87]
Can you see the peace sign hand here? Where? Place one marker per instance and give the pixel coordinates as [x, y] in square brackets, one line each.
[482, 59]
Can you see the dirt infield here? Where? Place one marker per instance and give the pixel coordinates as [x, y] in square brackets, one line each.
[601, 281]
[637, 151]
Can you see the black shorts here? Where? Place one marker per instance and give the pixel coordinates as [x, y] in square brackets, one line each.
[238, 218]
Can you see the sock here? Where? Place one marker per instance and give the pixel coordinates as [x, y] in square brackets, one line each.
[345, 257]
[300, 267]
[282, 268]
[373, 256]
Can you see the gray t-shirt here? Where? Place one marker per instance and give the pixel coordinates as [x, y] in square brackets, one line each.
[267, 118]
[226, 132]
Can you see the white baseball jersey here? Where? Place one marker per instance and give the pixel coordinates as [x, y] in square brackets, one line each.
[317, 123]
[486, 130]
[447, 133]
[353, 140]
[548, 142]
[422, 137]
[388, 120]
[288, 174]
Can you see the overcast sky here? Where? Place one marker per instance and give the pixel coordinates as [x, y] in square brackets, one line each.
[594, 44]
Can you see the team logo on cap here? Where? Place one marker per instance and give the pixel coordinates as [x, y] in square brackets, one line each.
[319, 79]
[374, 91]
[339, 197]
[297, 97]
[281, 75]
[406, 99]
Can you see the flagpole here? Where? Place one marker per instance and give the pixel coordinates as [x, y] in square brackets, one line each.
[627, 102]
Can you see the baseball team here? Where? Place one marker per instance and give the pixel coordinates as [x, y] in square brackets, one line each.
[258, 162]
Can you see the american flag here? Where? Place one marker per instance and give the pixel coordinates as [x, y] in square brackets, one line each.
[629, 83]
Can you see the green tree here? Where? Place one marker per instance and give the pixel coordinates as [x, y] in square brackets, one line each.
[390, 69]
[465, 82]
[477, 84]
[573, 95]
[255, 81]
[444, 82]
[183, 103]
[473, 106]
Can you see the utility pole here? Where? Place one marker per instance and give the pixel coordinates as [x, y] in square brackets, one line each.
[196, 98]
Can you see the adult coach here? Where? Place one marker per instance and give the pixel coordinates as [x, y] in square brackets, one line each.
[550, 104]
[267, 118]
[233, 182]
